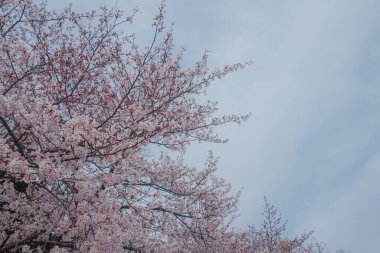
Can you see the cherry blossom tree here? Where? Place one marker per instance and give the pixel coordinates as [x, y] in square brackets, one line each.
[81, 105]
[271, 236]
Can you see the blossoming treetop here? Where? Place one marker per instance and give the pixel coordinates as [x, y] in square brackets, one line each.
[80, 102]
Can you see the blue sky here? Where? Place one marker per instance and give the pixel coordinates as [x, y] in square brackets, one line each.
[312, 144]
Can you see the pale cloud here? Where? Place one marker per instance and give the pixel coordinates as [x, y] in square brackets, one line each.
[314, 93]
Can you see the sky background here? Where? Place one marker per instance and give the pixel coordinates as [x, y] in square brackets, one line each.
[312, 144]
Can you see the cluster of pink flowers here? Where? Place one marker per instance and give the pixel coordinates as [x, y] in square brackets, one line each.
[80, 104]
[80, 107]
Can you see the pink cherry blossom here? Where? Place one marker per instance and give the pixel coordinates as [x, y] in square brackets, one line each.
[81, 103]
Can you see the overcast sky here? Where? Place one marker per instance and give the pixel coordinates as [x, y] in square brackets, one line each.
[312, 144]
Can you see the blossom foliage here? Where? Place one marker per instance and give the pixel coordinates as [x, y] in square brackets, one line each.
[81, 105]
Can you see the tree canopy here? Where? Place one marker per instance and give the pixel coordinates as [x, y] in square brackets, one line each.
[80, 105]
